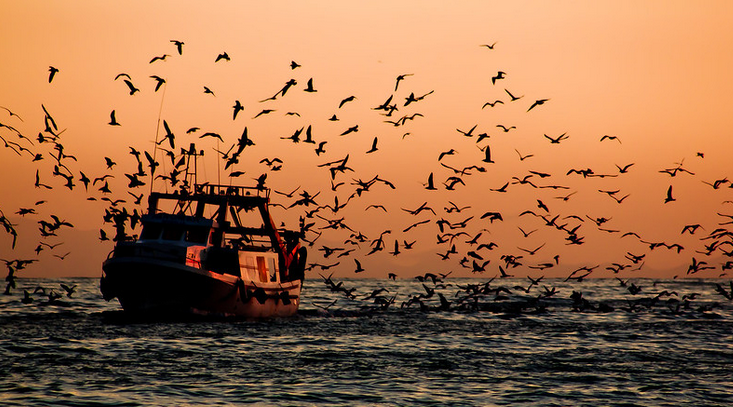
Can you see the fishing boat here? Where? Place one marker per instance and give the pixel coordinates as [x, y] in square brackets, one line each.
[216, 252]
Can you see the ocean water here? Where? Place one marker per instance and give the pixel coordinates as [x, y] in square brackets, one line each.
[610, 347]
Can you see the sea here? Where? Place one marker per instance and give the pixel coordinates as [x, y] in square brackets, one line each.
[484, 343]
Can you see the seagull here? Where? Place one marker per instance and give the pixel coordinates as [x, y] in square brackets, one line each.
[490, 104]
[132, 87]
[374, 146]
[179, 46]
[487, 159]
[558, 139]
[264, 111]
[499, 75]
[113, 119]
[669, 195]
[309, 87]
[514, 98]
[69, 289]
[430, 185]
[223, 56]
[109, 163]
[160, 58]
[400, 78]
[159, 82]
[607, 137]
[359, 269]
[348, 99]
[537, 103]
[237, 108]
[623, 169]
[51, 73]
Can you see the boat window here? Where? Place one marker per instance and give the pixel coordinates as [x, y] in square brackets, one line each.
[251, 269]
[262, 268]
[273, 269]
[197, 235]
[151, 231]
[173, 232]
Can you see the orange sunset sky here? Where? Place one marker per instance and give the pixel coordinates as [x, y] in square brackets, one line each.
[653, 74]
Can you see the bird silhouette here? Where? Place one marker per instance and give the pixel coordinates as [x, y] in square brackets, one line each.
[669, 197]
[430, 185]
[607, 137]
[113, 119]
[158, 82]
[492, 104]
[237, 108]
[499, 75]
[346, 100]
[537, 102]
[558, 139]
[223, 56]
[309, 86]
[400, 78]
[52, 71]
[513, 98]
[130, 86]
[159, 58]
[374, 146]
[179, 46]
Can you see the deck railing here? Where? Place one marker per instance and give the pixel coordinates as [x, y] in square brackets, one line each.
[231, 190]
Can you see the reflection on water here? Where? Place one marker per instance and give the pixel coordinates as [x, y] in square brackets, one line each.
[81, 351]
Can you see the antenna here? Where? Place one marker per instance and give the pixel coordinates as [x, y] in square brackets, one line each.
[157, 131]
[191, 176]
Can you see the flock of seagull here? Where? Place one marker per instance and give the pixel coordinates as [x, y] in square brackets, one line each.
[458, 248]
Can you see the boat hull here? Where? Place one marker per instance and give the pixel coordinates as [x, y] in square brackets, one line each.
[151, 287]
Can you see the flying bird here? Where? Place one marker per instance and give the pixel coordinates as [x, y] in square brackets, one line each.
[351, 130]
[669, 195]
[401, 78]
[487, 159]
[348, 99]
[159, 82]
[359, 268]
[237, 108]
[309, 87]
[374, 146]
[264, 111]
[113, 119]
[51, 73]
[558, 139]
[160, 58]
[492, 104]
[222, 56]
[607, 137]
[132, 87]
[430, 185]
[537, 103]
[499, 75]
[514, 98]
[214, 135]
[179, 46]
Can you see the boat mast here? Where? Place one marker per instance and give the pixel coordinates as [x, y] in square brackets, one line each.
[191, 177]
